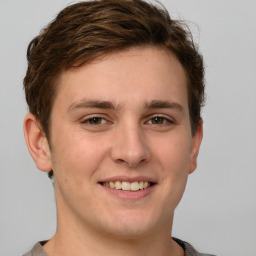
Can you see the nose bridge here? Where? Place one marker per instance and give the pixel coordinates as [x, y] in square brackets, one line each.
[130, 145]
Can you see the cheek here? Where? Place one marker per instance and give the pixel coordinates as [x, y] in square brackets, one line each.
[174, 154]
[174, 158]
[79, 155]
[75, 160]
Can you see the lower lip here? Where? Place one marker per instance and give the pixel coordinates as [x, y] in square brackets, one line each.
[130, 195]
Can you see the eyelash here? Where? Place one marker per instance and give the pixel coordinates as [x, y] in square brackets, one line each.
[95, 118]
[90, 120]
[164, 119]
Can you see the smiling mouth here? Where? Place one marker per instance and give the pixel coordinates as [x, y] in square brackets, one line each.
[127, 186]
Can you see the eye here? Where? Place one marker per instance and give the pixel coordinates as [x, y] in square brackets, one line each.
[94, 121]
[159, 120]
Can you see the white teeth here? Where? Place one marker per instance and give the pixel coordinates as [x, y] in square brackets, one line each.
[127, 186]
[135, 186]
[145, 184]
[118, 185]
[141, 184]
[112, 184]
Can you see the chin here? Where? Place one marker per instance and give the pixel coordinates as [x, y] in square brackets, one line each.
[131, 226]
[130, 233]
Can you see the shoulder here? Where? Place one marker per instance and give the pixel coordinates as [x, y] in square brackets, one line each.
[37, 250]
[189, 249]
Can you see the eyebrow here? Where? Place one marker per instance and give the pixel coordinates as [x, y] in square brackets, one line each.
[92, 104]
[154, 104]
[164, 104]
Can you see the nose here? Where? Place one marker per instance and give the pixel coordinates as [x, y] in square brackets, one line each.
[130, 146]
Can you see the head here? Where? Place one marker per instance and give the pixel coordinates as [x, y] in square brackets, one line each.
[91, 30]
[144, 80]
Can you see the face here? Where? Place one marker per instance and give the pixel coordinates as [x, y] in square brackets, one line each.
[121, 143]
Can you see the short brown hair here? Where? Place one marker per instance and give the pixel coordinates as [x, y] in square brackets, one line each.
[85, 31]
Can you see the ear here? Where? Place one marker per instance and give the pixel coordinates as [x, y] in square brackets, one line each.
[37, 143]
[196, 142]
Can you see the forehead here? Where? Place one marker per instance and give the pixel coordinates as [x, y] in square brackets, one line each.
[146, 73]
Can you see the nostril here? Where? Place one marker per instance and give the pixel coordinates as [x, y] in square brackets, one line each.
[130, 163]
[120, 161]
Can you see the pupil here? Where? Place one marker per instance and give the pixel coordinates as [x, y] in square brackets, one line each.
[157, 120]
[95, 120]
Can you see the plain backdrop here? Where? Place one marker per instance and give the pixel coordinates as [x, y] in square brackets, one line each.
[218, 211]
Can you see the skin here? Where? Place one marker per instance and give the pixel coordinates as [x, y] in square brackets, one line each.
[141, 130]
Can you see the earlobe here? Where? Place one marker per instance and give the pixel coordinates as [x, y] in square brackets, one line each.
[37, 143]
[196, 142]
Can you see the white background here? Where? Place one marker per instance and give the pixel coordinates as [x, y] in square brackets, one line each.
[218, 211]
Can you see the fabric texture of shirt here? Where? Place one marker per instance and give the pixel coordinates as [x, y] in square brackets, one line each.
[38, 250]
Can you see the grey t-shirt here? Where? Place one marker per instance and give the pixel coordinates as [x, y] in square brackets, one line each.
[38, 250]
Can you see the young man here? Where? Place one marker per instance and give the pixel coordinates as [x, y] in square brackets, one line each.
[114, 90]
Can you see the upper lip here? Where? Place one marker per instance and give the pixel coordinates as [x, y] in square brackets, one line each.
[128, 179]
